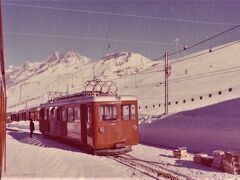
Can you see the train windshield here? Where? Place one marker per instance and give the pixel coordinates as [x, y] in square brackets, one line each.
[108, 112]
[129, 112]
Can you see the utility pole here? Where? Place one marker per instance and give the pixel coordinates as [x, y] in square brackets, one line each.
[125, 85]
[166, 82]
[72, 80]
[67, 90]
[135, 81]
[20, 95]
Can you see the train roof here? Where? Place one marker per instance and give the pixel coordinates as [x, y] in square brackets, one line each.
[85, 99]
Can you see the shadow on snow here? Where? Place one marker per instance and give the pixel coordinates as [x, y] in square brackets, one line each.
[43, 141]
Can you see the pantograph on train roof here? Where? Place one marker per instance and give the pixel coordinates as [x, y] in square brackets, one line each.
[95, 87]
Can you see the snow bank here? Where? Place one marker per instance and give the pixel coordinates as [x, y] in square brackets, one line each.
[201, 130]
[23, 125]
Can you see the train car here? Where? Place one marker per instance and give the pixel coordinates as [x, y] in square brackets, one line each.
[2, 99]
[26, 114]
[22, 115]
[14, 116]
[103, 124]
[34, 113]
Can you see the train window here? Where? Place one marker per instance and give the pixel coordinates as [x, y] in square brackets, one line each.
[32, 116]
[132, 110]
[89, 117]
[108, 112]
[70, 114]
[128, 112]
[45, 114]
[64, 114]
[77, 114]
[52, 114]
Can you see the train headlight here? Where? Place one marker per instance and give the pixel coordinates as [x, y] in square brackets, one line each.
[101, 129]
[135, 127]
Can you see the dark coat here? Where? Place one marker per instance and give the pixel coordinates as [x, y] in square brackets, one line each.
[32, 128]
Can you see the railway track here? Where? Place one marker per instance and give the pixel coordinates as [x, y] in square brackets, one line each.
[153, 170]
[150, 169]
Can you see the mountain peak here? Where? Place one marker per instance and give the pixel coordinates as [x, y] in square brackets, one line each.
[55, 56]
[116, 55]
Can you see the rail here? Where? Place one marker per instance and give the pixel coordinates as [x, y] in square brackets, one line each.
[148, 168]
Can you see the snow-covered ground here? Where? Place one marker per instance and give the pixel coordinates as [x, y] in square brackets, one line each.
[40, 157]
[201, 130]
[204, 95]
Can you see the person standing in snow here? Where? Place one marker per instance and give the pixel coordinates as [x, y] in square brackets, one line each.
[32, 128]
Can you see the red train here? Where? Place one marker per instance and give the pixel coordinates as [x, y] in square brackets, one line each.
[101, 123]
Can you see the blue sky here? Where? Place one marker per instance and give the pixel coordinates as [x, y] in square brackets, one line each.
[34, 29]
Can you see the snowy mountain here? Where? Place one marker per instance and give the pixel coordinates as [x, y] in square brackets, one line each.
[68, 71]
[24, 72]
[190, 78]
[119, 64]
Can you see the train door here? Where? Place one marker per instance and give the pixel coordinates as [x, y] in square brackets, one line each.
[83, 108]
[129, 118]
[20, 116]
[109, 126]
[63, 118]
[45, 121]
[89, 125]
[86, 124]
[57, 119]
[24, 116]
[73, 124]
[54, 124]
[41, 120]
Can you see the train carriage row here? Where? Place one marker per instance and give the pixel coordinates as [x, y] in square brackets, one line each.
[24, 115]
[101, 124]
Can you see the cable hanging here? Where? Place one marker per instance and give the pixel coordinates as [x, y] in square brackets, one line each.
[120, 14]
[201, 42]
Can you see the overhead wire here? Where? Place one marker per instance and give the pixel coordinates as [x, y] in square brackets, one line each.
[113, 14]
[208, 74]
[201, 42]
[119, 14]
[106, 39]
[86, 38]
[129, 15]
[204, 53]
[213, 50]
[194, 45]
